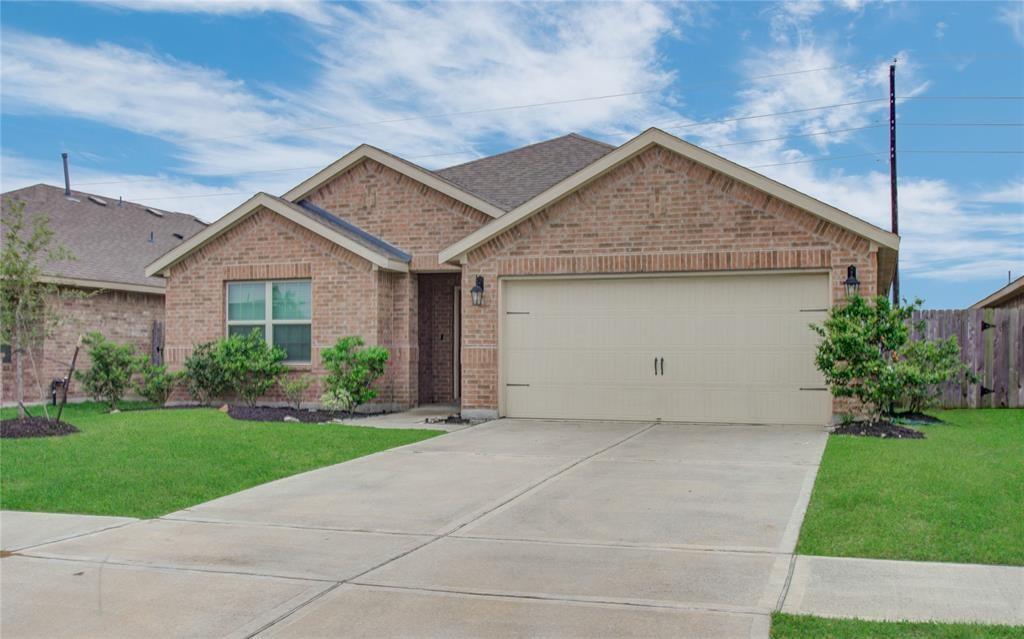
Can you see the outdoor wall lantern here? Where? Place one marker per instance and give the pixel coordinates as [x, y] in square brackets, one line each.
[478, 291]
[852, 283]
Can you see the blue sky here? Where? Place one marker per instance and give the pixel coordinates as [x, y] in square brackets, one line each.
[193, 106]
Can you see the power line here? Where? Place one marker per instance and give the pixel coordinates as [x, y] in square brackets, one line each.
[823, 158]
[801, 135]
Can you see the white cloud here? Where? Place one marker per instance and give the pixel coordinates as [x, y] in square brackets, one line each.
[1011, 192]
[1012, 15]
[310, 10]
[940, 30]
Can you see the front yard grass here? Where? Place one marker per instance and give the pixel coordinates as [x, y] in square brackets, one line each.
[145, 463]
[806, 627]
[955, 496]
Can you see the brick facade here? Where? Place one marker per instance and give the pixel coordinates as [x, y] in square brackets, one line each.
[121, 316]
[657, 213]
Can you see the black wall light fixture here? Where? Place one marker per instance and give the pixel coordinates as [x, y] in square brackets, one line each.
[478, 291]
[852, 283]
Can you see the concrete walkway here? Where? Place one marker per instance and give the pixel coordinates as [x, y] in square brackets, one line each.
[20, 530]
[508, 529]
[906, 590]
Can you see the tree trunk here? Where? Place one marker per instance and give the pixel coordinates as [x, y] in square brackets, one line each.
[19, 381]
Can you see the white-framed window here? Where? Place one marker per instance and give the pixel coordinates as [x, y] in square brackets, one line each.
[281, 310]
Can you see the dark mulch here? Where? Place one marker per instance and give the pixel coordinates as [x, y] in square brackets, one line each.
[278, 413]
[878, 429]
[451, 419]
[917, 418]
[34, 427]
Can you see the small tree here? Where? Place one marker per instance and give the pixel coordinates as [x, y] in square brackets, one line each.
[24, 322]
[111, 372]
[925, 365]
[859, 351]
[294, 388]
[352, 369]
[250, 365]
[204, 375]
[154, 382]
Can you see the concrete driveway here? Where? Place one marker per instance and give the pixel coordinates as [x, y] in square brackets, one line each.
[512, 528]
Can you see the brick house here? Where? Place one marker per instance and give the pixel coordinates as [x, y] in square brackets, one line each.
[568, 279]
[111, 241]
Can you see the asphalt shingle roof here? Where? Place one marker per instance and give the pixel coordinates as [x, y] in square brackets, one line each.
[511, 178]
[347, 229]
[110, 243]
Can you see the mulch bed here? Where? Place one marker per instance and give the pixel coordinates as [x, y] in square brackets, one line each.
[278, 413]
[917, 418]
[34, 427]
[882, 429]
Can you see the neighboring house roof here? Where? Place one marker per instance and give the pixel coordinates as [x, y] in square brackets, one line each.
[395, 163]
[637, 145]
[1011, 290]
[312, 218]
[511, 178]
[111, 240]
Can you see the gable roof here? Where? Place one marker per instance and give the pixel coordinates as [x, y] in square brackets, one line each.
[109, 238]
[395, 163]
[508, 179]
[637, 145]
[1016, 287]
[312, 218]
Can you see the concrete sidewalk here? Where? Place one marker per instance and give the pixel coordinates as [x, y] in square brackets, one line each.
[906, 590]
[20, 530]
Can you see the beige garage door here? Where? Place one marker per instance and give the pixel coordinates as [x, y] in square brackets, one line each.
[709, 348]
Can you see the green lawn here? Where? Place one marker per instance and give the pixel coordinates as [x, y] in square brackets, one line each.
[955, 496]
[805, 627]
[144, 463]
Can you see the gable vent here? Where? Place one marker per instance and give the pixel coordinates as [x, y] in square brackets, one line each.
[97, 200]
[154, 212]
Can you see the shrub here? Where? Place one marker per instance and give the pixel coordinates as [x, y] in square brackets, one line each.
[858, 354]
[353, 369]
[250, 365]
[204, 375]
[154, 382]
[335, 399]
[112, 368]
[926, 364]
[294, 388]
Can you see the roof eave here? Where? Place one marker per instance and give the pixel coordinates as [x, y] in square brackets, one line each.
[636, 146]
[78, 282]
[1004, 293]
[406, 168]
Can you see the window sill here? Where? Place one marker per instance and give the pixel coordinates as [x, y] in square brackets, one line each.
[299, 366]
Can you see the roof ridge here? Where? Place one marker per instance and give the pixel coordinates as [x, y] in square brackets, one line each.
[592, 140]
[107, 198]
[518, 148]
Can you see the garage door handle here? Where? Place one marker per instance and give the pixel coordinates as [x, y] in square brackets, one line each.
[662, 365]
[655, 365]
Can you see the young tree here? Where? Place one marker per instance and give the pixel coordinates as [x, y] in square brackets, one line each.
[24, 321]
[859, 351]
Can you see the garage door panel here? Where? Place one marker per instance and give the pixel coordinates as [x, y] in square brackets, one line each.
[735, 348]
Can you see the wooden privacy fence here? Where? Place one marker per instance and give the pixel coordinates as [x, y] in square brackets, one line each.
[992, 344]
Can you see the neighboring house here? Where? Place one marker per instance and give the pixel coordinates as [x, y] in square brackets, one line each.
[654, 280]
[1010, 296]
[112, 241]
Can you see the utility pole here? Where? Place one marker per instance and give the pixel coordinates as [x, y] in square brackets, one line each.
[892, 178]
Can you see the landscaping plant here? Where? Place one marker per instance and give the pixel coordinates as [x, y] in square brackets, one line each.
[251, 366]
[24, 322]
[112, 366]
[926, 364]
[155, 383]
[204, 375]
[336, 399]
[352, 369]
[294, 388]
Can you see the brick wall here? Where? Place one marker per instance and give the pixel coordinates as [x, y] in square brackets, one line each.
[121, 316]
[400, 210]
[436, 329]
[266, 246]
[659, 212]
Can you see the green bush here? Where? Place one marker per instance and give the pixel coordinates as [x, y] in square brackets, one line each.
[204, 375]
[111, 372]
[352, 369]
[251, 366]
[927, 363]
[859, 351]
[154, 382]
[335, 399]
[294, 388]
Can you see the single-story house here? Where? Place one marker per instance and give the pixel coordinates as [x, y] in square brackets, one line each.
[111, 241]
[565, 279]
[1009, 296]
